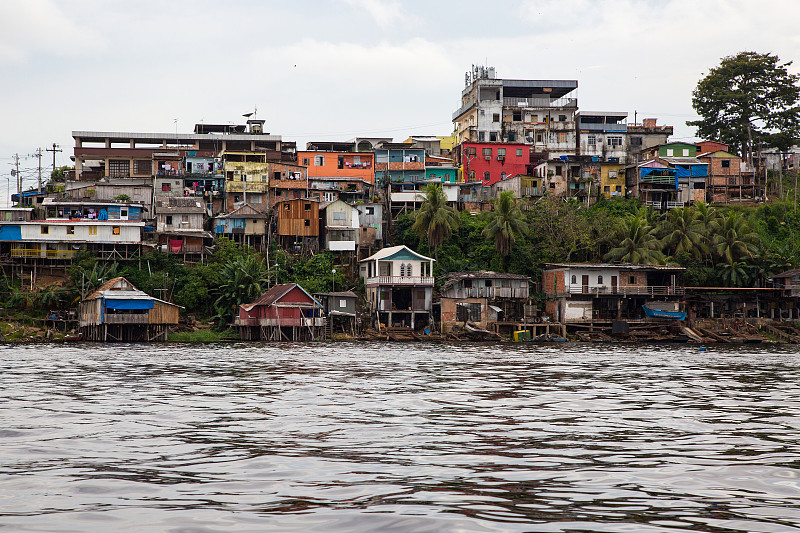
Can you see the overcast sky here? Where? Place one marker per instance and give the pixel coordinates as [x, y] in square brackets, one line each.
[332, 70]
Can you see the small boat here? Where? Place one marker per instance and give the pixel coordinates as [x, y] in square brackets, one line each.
[658, 313]
[73, 338]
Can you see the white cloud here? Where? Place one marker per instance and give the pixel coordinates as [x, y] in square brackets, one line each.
[28, 27]
[383, 12]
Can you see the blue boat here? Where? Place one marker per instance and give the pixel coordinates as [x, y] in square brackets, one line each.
[658, 313]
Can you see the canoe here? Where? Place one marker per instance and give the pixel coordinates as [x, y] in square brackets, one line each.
[658, 313]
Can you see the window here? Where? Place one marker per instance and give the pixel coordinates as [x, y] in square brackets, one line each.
[70, 230]
[287, 207]
[539, 138]
[338, 216]
[562, 137]
[559, 170]
[305, 161]
[119, 168]
[636, 141]
[44, 230]
[142, 166]
[606, 189]
[307, 223]
[612, 174]
[308, 207]
[487, 152]
[685, 152]
[599, 280]
[632, 280]
[503, 176]
[184, 218]
[471, 150]
[370, 210]
[496, 117]
[618, 188]
[319, 160]
[486, 176]
[166, 187]
[467, 283]
[552, 185]
[562, 118]
[492, 136]
[726, 163]
[501, 151]
[614, 140]
[488, 283]
[670, 152]
[468, 312]
[481, 136]
[590, 140]
[516, 116]
[169, 220]
[471, 175]
[519, 152]
[115, 230]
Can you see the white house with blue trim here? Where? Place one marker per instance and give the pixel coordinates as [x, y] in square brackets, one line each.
[399, 287]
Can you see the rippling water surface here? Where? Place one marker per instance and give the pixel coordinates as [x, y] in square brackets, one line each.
[399, 437]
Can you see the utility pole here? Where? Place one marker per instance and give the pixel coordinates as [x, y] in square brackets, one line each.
[39, 155]
[54, 149]
[19, 178]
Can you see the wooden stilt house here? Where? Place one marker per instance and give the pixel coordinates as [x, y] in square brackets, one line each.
[118, 311]
[285, 312]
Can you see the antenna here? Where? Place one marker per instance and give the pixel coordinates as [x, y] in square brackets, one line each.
[55, 149]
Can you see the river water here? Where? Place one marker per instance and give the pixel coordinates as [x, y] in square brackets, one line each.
[399, 437]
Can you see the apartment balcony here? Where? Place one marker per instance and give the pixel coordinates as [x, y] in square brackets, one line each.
[558, 103]
[658, 180]
[603, 127]
[399, 280]
[463, 109]
[238, 186]
[626, 290]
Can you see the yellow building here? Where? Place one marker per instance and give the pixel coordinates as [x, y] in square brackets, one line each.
[612, 180]
[246, 179]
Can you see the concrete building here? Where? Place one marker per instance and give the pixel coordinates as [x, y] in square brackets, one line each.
[535, 112]
[498, 302]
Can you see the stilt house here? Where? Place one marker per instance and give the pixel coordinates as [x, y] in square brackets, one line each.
[285, 312]
[118, 311]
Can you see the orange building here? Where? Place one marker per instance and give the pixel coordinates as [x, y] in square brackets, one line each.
[332, 175]
[359, 165]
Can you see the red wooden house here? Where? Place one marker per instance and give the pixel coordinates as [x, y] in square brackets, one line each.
[285, 312]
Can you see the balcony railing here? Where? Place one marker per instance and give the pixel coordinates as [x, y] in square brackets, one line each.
[664, 180]
[303, 322]
[541, 102]
[38, 253]
[669, 205]
[126, 318]
[625, 290]
[400, 280]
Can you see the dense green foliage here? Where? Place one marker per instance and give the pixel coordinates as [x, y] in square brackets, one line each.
[719, 246]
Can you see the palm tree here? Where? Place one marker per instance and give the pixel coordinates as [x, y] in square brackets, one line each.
[242, 280]
[733, 274]
[734, 239]
[505, 224]
[638, 243]
[435, 219]
[684, 233]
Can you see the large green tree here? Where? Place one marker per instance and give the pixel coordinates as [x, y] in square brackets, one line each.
[748, 98]
[638, 243]
[435, 219]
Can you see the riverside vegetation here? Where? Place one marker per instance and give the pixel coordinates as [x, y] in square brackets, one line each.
[729, 246]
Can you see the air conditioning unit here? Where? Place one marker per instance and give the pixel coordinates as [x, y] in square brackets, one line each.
[501, 157]
[488, 158]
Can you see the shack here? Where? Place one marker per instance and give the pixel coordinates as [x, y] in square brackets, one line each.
[285, 312]
[118, 311]
[340, 310]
